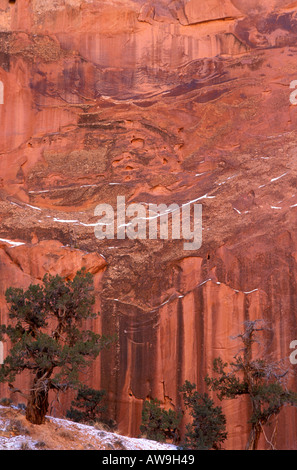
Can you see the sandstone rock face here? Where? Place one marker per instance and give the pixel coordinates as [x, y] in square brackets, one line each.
[166, 101]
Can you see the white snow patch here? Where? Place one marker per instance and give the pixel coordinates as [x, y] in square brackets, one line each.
[278, 177]
[10, 242]
[38, 192]
[89, 225]
[250, 292]
[63, 221]
[99, 438]
[204, 282]
[109, 437]
[17, 443]
[33, 207]
[205, 196]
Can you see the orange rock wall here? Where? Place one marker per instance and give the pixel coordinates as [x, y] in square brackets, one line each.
[160, 102]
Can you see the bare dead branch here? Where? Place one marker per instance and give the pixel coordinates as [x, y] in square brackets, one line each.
[17, 390]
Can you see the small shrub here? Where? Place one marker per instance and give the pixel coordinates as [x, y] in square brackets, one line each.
[40, 445]
[100, 426]
[109, 446]
[16, 427]
[108, 425]
[22, 406]
[159, 424]
[208, 428]
[66, 435]
[5, 401]
[25, 446]
[87, 407]
[119, 444]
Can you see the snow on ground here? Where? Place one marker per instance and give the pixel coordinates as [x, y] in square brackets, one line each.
[16, 433]
[11, 242]
[17, 443]
[109, 439]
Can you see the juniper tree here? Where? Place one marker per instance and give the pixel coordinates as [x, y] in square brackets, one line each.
[159, 424]
[264, 382]
[88, 405]
[207, 431]
[48, 338]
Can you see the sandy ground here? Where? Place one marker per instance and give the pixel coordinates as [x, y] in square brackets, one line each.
[16, 433]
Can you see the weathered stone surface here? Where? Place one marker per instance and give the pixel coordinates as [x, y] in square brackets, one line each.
[164, 102]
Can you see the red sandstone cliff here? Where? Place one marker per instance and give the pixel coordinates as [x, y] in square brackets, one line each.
[158, 101]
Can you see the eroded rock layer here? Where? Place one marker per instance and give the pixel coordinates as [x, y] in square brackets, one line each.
[161, 102]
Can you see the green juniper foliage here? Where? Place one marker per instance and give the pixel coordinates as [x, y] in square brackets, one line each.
[87, 406]
[208, 427]
[47, 337]
[159, 424]
[261, 380]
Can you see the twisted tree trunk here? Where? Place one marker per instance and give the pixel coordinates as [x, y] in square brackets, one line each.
[254, 437]
[38, 404]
